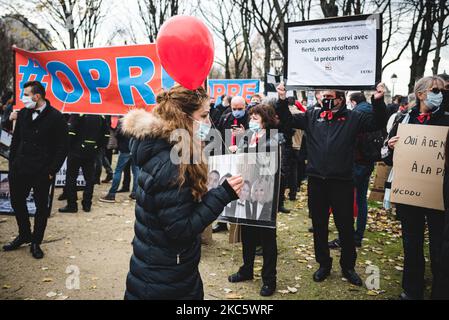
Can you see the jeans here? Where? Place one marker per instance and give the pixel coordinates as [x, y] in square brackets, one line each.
[413, 220]
[123, 159]
[361, 175]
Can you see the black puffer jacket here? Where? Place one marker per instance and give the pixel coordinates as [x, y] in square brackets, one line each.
[167, 243]
[330, 144]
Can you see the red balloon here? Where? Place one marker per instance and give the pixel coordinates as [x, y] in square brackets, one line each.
[185, 48]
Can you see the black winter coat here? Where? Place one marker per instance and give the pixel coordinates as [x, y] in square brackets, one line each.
[88, 134]
[169, 223]
[39, 146]
[330, 143]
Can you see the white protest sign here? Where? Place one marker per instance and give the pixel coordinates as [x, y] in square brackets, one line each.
[334, 53]
[419, 166]
[61, 176]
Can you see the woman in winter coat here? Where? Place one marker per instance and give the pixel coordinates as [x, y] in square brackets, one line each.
[262, 121]
[173, 206]
[428, 111]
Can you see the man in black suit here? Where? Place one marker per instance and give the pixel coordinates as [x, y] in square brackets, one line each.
[38, 149]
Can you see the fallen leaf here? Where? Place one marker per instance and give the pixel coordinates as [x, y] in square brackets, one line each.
[6, 286]
[234, 296]
[226, 290]
[47, 280]
[62, 298]
[372, 293]
[51, 294]
[292, 289]
[283, 291]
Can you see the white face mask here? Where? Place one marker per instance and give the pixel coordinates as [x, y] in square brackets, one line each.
[28, 102]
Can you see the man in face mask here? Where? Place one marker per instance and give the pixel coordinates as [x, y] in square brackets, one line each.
[38, 149]
[331, 133]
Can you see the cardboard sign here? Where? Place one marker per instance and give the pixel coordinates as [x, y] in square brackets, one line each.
[334, 53]
[419, 166]
[108, 80]
[235, 87]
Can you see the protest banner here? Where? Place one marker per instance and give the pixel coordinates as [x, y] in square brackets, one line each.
[107, 81]
[61, 177]
[418, 169]
[233, 87]
[257, 205]
[333, 53]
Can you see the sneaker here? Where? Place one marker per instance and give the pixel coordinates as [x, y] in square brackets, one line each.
[108, 198]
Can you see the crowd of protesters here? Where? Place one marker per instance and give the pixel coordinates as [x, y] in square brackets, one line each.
[334, 143]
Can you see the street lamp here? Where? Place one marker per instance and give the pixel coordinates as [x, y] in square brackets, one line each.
[277, 63]
[394, 79]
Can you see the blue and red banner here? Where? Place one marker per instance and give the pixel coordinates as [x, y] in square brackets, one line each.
[233, 87]
[109, 80]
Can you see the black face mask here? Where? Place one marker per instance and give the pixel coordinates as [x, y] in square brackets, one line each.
[328, 104]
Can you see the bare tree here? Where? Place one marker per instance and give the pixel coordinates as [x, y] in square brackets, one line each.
[73, 22]
[154, 13]
[269, 19]
[89, 29]
[222, 23]
[304, 7]
[329, 8]
[442, 32]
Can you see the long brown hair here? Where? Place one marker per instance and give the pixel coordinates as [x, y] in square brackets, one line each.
[175, 106]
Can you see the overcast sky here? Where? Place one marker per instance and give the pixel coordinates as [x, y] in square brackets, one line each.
[122, 12]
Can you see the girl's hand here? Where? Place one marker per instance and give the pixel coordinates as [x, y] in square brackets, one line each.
[392, 142]
[236, 182]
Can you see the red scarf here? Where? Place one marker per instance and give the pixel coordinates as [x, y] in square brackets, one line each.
[424, 117]
[327, 114]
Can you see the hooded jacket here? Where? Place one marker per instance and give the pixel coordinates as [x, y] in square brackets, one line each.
[169, 222]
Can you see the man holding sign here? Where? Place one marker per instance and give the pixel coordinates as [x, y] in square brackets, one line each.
[331, 134]
[414, 211]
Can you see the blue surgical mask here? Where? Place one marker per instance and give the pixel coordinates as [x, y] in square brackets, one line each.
[238, 113]
[254, 126]
[203, 130]
[433, 100]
